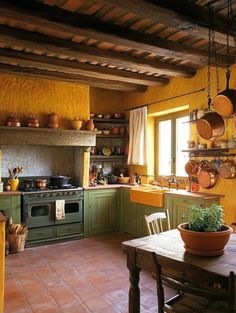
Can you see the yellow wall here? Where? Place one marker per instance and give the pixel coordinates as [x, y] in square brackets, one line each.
[2, 261]
[178, 86]
[106, 101]
[28, 95]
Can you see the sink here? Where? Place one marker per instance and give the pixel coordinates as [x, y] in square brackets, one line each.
[149, 195]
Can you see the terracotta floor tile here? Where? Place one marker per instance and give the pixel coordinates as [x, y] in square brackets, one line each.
[83, 276]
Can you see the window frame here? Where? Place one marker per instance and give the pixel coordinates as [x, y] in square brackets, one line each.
[172, 117]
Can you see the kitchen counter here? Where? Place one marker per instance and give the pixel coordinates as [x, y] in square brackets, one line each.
[108, 186]
[10, 193]
[179, 192]
[202, 195]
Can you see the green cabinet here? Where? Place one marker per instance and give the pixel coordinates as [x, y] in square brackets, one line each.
[132, 215]
[101, 211]
[128, 213]
[11, 206]
[178, 207]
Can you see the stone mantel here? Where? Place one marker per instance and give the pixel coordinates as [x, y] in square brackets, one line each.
[46, 137]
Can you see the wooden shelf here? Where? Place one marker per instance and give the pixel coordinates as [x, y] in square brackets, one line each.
[109, 157]
[209, 152]
[112, 136]
[110, 120]
[206, 150]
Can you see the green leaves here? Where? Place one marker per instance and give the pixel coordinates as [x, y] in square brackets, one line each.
[206, 219]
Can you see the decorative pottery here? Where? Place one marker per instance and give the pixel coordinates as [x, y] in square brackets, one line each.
[76, 123]
[205, 243]
[53, 120]
[14, 184]
[90, 125]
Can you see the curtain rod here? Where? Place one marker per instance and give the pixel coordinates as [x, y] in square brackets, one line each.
[171, 98]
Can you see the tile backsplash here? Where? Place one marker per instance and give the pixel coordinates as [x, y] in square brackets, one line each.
[39, 160]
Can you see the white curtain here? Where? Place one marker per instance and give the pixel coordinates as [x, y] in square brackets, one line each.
[138, 137]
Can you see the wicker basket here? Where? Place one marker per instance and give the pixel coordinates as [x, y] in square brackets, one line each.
[16, 242]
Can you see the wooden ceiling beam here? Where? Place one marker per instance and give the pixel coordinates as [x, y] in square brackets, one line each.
[74, 67]
[20, 38]
[186, 16]
[72, 78]
[43, 17]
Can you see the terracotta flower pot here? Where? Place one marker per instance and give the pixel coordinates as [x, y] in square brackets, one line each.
[205, 243]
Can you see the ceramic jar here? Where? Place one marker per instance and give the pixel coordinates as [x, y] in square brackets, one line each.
[13, 120]
[53, 120]
[14, 184]
[76, 123]
[33, 120]
[90, 125]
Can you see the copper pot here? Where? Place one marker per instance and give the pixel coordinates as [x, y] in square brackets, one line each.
[227, 169]
[210, 125]
[192, 167]
[207, 178]
[225, 102]
[41, 183]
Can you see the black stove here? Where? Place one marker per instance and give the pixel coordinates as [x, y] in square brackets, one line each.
[50, 188]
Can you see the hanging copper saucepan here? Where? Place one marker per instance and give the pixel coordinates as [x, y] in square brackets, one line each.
[225, 102]
[210, 125]
[215, 164]
[192, 167]
[207, 178]
[227, 169]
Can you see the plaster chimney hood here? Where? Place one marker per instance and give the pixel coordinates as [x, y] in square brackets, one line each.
[46, 137]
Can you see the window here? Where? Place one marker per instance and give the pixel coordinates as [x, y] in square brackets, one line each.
[172, 137]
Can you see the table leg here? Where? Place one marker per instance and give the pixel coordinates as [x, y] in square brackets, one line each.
[134, 292]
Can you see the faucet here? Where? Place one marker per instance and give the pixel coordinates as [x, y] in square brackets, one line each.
[173, 180]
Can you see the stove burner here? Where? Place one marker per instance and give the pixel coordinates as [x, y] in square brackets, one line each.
[48, 188]
[67, 186]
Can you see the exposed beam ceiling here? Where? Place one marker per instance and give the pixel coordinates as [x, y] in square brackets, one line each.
[121, 45]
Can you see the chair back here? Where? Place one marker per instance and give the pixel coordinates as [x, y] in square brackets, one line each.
[155, 221]
[190, 279]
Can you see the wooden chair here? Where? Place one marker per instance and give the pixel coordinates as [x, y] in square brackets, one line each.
[155, 222]
[200, 291]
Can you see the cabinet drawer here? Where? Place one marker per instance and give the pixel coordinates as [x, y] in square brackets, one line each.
[40, 233]
[69, 229]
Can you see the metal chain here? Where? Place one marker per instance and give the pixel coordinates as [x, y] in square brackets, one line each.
[209, 57]
[216, 62]
[229, 20]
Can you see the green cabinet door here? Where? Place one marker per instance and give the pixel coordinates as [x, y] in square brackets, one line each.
[11, 206]
[101, 211]
[128, 213]
[178, 207]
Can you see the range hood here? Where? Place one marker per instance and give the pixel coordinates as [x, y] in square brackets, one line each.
[46, 137]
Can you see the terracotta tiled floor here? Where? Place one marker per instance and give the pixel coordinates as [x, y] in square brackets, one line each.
[87, 275]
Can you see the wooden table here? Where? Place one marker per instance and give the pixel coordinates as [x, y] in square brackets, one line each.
[169, 243]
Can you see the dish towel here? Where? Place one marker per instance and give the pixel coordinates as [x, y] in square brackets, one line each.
[60, 209]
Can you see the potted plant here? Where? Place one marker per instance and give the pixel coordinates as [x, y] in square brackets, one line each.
[205, 233]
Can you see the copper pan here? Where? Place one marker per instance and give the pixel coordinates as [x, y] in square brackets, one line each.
[207, 178]
[225, 102]
[192, 167]
[227, 169]
[210, 125]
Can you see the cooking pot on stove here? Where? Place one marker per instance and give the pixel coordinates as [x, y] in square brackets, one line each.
[59, 181]
[28, 183]
[41, 183]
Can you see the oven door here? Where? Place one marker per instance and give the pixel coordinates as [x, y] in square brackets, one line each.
[38, 214]
[73, 212]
